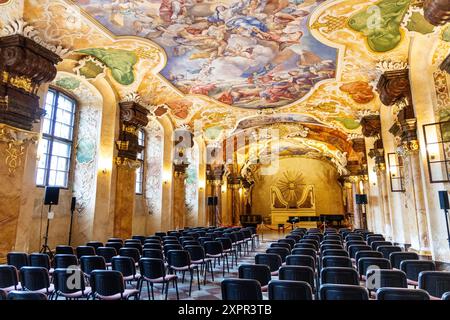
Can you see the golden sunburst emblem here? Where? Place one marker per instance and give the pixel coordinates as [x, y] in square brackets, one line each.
[290, 186]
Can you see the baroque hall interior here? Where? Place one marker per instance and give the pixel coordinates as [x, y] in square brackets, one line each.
[174, 133]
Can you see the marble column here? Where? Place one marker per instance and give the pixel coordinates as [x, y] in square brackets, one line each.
[383, 191]
[179, 196]
[25, 67]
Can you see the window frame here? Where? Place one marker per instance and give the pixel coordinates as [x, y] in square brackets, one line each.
[141, 168]
[51, 138]
[439, 143]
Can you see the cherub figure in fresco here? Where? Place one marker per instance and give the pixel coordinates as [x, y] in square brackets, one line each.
[170, 10]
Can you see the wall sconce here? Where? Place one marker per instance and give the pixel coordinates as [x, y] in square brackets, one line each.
[166, 176]
[201, 185]
[396, 172]
[224, 188]
[104, 164]
[437, 139]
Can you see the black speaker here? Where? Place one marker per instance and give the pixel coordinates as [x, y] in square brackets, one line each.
[443, 200]
[73, 204]
[51, 195]
[212, 201]
[361, 198]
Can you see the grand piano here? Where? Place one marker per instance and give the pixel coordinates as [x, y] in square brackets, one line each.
[250, 220]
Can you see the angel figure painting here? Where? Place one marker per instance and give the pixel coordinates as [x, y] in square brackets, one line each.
[244, 53]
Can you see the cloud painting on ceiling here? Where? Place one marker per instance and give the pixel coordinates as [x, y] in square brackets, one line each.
[246, 53]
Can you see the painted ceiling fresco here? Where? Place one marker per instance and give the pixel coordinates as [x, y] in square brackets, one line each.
[246, 53]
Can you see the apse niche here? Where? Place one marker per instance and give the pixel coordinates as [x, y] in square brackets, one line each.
[245, 53]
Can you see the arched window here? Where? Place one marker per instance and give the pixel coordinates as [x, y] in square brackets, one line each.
[55, 148]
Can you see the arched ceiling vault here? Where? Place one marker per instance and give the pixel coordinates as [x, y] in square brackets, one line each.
[222, 66]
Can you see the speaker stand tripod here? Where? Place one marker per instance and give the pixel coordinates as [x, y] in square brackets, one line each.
[45, 248]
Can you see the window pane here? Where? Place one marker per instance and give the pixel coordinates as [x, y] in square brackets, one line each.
[61, 149]
[40, 178]
[61, 179]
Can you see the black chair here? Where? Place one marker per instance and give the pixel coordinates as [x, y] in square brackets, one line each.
[332, 237]
[109, 285]
[291, 242]
[227, 246]
[280, 245]
[3, 295]
[367, 254]
[95, 244]
[17, 259]
[282, 252]
[260, 272]
[135, 245]
[339, 275]
[342, 292]
[372, 238]
[140, 238]
[36, 279]
[353, 237]
[153, 272]
[9, 278]
[179, 260]
[376, 244]
[289, 290]
[160, 234]
[397, 257]
[273, 261]
[168, 247]
[152, 253]
[301, 260]
[26, 295]
[324, 247]
[413, 268]
[336, 261]
[84, 251]
[335, 252]
[401, 294]
[127, 267]
[336, 242]
[107, 253]
[366, 264]
[69, 283]
[294, 237]
[304, 251]
[214, 250]
[387, 250]
[115, 245]
[241, 289]
[40, 260]
[298, 273]
[91, 263]
[315, 243]
[130, 252]
[156, 246]
[152, 239]
[436, 283]
[198, 257]
[115, 240]
[65, 261]
[353, 249]
[305, 246]
[64, 250]
[382, 278]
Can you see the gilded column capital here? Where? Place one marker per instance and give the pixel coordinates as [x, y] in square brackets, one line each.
[127, 163]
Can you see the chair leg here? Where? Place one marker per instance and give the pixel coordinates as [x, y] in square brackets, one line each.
[167, 290]
[190, 283]
[212, 271]
[176, 288]
[198, 278]
[228, 266]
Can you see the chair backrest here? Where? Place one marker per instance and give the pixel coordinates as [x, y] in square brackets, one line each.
[140, 238]
[17, 259]
[64, 250]
[135, 245]
[226, 243]
[376, 244]
[107, 253]
[26, 295]
[241, 289]
[178, 258]
[130, 252]
[64, 261]
[107, 283]
[332, 237]
[273, 261]
[8, 277]
[314, 242]
[397, 257]
[354, 242]
[68, 280]
[115, 240]
[336, 242]
[280, 245]
[282, 252]
[160, 234]
[156, 238]
[402, 294]
[412, 268]
[169, 247]
[324, 247]
[213, 247]
[259, 272]
[125, 265]
[367, 254]
[152, 268]
[95, 244]
[381, 278]
[115, 245]
[289, 290]
[339, 275]
[343, 292]
[152, 253]
[335, 252]
[301, 260]
[196, 252]
[436, 283]
[353, 249]
[294, 237]
[365, 264]
[305, 246]
[34, 278]
[2, 295]
[39, 260]
[297, 273]
[336, 261]
[85, 251]
[351, 237]
[152, 246]
[91, 263]
[387, 250]
[291, 242]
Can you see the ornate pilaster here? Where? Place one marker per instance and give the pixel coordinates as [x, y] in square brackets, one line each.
[214, 180]
[132, 117]
[234, 184]
[179, 195]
